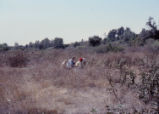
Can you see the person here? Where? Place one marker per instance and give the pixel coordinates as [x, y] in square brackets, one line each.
[81, 59]
[71, 63]
[81, 62]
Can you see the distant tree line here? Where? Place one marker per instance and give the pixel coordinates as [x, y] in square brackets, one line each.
[4, 47]
[121, 35]
[125, 35]
[46, 43]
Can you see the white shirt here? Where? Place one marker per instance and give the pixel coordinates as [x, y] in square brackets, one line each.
[70, 63]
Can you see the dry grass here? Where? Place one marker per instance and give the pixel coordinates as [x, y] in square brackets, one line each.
[44, 86]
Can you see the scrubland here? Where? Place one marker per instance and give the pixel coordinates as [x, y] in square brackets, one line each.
[34, 82]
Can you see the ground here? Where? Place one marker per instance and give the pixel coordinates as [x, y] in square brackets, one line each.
[43, 85]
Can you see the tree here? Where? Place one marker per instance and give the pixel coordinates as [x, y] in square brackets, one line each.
[154, 32]
[45, 43]
[4, 47]
[144, 34]
[31, 45]
[128, 35]
[120, 34]
[16, 44]
[76, 44]
[152, 24]
[58, 43]
[120, 31]
[37, 44]
[112, 35]
[95, 41]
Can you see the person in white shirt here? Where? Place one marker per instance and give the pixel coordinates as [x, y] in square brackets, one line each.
[70, 63]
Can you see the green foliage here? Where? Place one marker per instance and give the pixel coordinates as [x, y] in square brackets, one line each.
[128, 35]
[124, 36]
[153, 32]
[152, 44]
[108, 48]
[93, 110]
[95, 41]
[112, 35]
[46, 43]
[138, 41]
[58, 43]
[121, 34]
[76, 44]
[4, 47]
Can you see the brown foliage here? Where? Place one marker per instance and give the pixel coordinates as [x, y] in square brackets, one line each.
[110, 82]
[17, 59]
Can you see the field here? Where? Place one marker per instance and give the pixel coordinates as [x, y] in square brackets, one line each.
[34, 82]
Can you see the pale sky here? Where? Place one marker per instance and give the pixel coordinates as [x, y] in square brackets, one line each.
[23, 21]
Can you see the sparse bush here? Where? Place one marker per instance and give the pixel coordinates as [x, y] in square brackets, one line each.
[18, 59]
[149, 88]
[127, 77]
[117, 73]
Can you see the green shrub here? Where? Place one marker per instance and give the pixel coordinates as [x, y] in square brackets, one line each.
[95, 41]
[4, 47]
[108, 48]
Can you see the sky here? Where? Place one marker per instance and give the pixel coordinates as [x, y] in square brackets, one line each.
[25, 21]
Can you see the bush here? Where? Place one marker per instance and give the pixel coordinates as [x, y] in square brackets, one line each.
[108, 48]
[18, 59]
[152, 44]
[4, 47]
[76, 44]
[58, 43]
[149, 88]
[95, 41]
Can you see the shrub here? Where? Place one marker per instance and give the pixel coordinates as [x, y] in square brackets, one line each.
[149, 88]
[95, 41]
[114, 48]
[18, 59]
[4, 47]
[101, 49]
[76, 44]
[108, 48]
[152, 44]
[58, 43]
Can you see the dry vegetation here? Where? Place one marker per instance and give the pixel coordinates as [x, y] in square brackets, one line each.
[33, 82]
